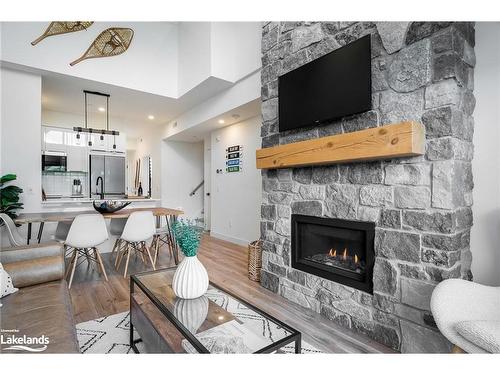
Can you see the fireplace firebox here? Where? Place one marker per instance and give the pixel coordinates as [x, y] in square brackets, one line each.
[334, 249]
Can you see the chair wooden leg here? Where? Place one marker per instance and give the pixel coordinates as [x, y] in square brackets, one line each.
[87, 256]
[121, 253]
[101, 264]
[170, 249]
[118, 240]
[156, 240]
[73, 268]
[126, 263]
[146, 249]
[68, 268]
[141, 254]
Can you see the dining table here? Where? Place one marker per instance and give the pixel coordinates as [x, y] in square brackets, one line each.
[170, 214]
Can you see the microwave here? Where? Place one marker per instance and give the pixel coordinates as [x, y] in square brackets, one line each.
[54, 161]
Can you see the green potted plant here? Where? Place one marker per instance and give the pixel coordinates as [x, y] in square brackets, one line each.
[9, 196]
[191, 278]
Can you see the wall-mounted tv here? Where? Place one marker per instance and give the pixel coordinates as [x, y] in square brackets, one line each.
[332, 86]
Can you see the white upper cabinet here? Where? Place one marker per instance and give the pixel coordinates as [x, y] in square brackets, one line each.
[106, 144]
[75, 139]
[54, 139]
[77, 158]
[121, 143]
[98, 144]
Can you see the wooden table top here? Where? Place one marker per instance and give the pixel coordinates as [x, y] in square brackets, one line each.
[37, 217]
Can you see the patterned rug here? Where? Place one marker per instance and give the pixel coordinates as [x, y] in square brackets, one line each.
[110, 334]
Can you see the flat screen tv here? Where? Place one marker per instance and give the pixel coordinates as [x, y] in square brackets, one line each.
[332, 86]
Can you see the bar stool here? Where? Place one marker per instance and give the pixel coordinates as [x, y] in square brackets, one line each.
[139, 228]
[116, 227]
[162, 237]
[86, 233]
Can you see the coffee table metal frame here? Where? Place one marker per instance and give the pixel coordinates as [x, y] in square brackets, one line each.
[295, 335]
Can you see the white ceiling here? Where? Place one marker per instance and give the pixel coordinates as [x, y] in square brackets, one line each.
[197, 133]
[64, 93]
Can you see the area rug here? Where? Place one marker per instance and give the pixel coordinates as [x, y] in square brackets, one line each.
[110, 335]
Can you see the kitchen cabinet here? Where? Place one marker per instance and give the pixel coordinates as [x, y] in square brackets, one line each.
[98, 144]
[72, 139]
[77, 158]
[106, 144]
[54, 139]
[77, 149]
[121, 143]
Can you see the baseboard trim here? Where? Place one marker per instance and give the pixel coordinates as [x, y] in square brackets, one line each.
[235, 240]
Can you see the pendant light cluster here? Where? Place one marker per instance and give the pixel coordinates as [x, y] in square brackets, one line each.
[102, 132]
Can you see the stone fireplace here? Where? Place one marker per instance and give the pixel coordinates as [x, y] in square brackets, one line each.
[419, 207]
[334, 249]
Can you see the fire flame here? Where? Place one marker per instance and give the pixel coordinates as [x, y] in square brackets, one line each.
[344, 256]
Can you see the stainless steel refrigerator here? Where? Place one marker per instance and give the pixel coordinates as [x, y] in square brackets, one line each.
[111, 170]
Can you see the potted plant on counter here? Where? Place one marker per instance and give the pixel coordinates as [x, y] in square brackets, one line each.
[9, 196]
[191, 278]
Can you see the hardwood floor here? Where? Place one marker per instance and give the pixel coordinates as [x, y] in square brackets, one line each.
[226, 263]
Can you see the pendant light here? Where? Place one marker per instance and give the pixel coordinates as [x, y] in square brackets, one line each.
[102, 132]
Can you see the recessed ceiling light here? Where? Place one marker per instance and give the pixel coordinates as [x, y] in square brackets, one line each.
[101, 109]
[221, 121]
[151, 117]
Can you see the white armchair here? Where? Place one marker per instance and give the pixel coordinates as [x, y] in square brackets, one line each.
[468, 314]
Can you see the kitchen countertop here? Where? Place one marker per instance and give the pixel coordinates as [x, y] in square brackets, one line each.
[68, 200]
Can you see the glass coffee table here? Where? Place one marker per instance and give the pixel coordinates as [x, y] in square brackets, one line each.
[217, 322]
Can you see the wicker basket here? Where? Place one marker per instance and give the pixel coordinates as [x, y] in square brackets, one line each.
[254, 260]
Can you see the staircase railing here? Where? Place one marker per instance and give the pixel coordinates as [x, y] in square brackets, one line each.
[197, 188]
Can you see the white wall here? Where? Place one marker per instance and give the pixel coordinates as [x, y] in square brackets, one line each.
[164, 58]
[182, 171]
[193, 55]
[485, 235]
[243, 92]
[235, 49]
[21, 133]
[207, 177]
[236, 197]
[150, 63]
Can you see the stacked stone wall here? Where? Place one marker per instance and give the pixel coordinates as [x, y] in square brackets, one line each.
[422, 71]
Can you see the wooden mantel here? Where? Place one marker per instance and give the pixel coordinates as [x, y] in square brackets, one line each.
[385, 142]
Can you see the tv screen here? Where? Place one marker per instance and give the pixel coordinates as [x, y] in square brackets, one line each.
[332, 86]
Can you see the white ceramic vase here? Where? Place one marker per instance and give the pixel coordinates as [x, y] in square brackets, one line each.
[190, 279]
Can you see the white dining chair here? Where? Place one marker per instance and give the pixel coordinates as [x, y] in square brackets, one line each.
[86, 233]
[15, 238]
[139, 228]
[116, 227]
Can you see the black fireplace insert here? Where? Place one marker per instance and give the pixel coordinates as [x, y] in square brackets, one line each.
[335, 249]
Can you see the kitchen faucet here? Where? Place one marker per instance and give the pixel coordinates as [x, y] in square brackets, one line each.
[102, 187]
